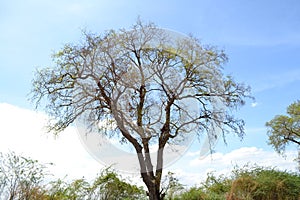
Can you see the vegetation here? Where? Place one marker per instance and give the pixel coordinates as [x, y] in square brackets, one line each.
[20, 177]
[264, 183]
[108, 185]
[24, 179]
[141, 81]
[285, 129]
[248, 183]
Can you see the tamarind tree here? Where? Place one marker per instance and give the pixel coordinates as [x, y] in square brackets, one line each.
[154, 88]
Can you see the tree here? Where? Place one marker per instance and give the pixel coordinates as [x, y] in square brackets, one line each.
[143, 83]
[62, 190]
[109, 185]
[285, 129]
[20, 177]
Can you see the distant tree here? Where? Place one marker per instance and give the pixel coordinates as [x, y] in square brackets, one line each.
[136, 79]
[63, 190]
[285, 129]
[20, 177]
[108, 185]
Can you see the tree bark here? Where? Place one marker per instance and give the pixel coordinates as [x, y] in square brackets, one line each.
[154, 193]
[151, 181]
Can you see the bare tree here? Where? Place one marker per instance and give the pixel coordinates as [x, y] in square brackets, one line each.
[146, 83]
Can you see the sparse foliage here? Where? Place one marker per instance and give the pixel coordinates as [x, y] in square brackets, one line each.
[142, 81]
[20, 177]
[171, 185]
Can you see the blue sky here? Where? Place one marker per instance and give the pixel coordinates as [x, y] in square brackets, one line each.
[261, 39]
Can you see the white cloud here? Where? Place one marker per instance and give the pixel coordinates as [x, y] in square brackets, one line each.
[221, 163]
[272, 81]
[253, 105]
[22, 131]
[246, 155]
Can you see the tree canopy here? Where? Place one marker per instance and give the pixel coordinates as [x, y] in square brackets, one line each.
[285, 129]
[152, 87]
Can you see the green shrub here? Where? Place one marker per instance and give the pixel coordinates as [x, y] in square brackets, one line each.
[264, 183]
[192, 194]
[247, 183]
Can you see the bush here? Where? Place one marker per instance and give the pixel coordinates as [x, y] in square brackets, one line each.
[264, 183]
[247, 183]
[192, 194]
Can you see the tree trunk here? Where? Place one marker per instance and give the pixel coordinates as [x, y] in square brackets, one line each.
[153, 192]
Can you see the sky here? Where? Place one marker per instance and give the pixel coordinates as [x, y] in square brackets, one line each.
[261, 39]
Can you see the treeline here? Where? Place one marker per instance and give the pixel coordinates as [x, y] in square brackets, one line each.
[25, 179]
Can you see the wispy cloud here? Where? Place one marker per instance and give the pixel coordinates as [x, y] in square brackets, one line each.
[243, 39]
[272, 81]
